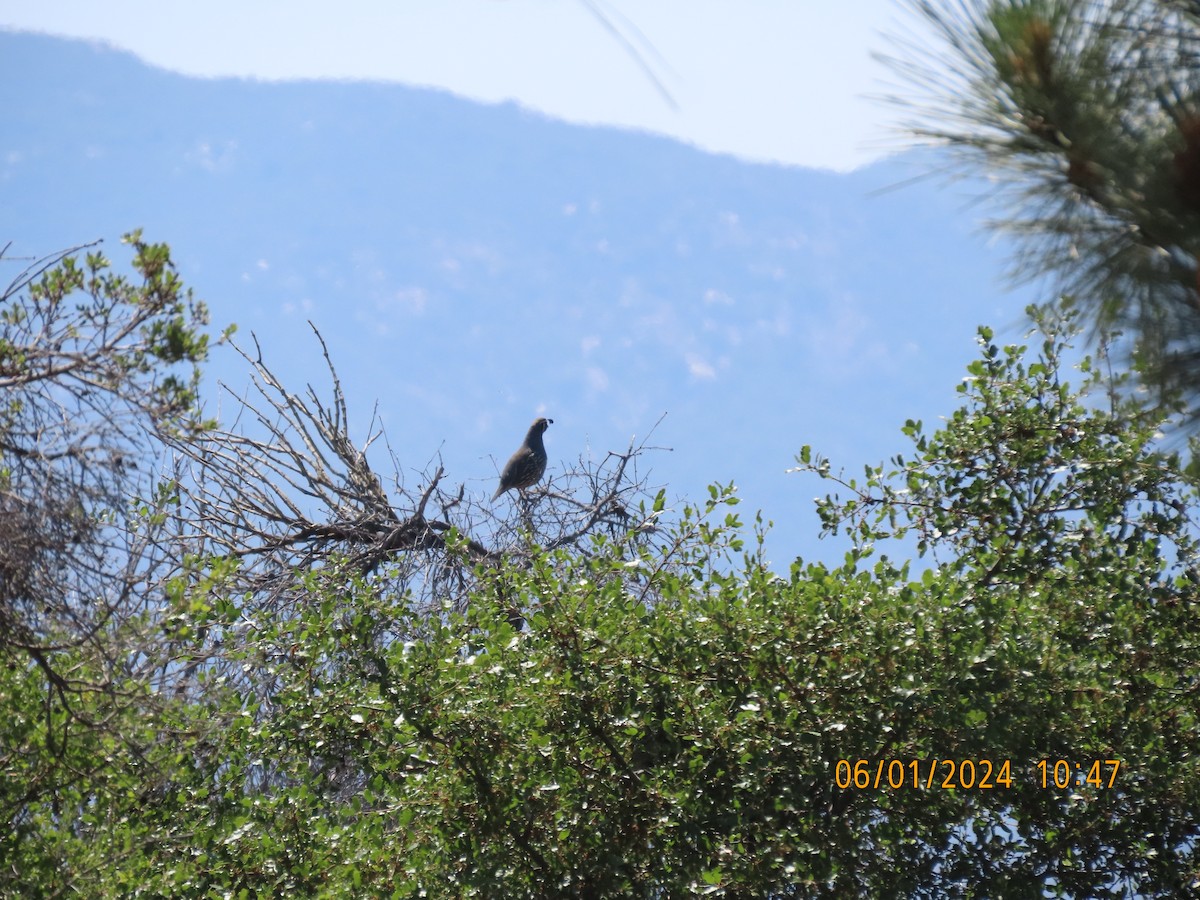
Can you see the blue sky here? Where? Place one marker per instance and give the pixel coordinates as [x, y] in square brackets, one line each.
[767, 80]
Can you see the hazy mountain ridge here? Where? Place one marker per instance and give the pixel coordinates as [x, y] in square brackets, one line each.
[472, 265]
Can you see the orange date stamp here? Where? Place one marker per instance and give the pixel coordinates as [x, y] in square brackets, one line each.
[970, 774]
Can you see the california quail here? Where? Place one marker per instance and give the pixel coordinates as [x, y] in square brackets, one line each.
[526, 467]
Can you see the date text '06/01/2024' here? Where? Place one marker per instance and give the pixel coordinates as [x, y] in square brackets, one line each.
[967, 774]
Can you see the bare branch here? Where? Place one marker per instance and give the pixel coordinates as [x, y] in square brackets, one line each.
[285, 492]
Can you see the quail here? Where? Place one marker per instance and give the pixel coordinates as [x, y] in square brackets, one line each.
[526, 467]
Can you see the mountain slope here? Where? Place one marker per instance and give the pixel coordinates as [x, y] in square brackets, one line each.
[472, 266]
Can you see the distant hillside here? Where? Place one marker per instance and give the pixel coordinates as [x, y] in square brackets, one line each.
[473, 265]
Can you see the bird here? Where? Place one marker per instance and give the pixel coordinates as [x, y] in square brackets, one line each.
[526, 467]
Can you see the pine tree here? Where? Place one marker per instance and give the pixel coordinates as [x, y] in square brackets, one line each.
[1086, 115]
